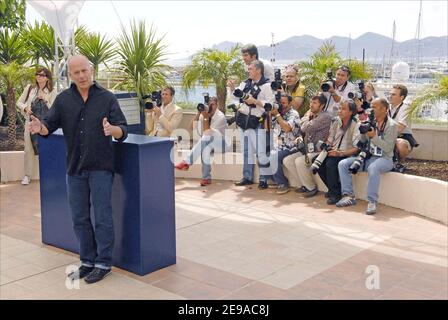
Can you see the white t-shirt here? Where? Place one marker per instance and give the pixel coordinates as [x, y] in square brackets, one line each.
[332, 106]
[401, 116]
[218, 124]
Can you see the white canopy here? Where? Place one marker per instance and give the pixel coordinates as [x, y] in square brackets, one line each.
[60, 14]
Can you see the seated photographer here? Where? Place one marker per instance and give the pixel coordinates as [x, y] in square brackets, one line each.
[253, 94]
[363, 105]
[342, 143]
[315, 124]
[399, 112]
[378, 136]
[162, 121]
[209, 123]
[286, 126]
[338, 89]
[294, 88]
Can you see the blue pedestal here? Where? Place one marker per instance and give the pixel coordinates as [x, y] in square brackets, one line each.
[142, 201]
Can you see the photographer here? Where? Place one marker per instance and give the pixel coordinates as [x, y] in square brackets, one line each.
[210, 123]
[294, 88]
[37, 99]
[253, 94]
[342, 143]
[399, 112]
[286, 121]
[362, 105]
[162, 121]
[315, 124]
[338, 89]
[380, 139]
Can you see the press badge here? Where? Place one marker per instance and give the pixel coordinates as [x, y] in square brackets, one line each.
[376, 151]
[310, 147]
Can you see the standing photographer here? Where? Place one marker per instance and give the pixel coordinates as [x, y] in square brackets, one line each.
[363, 105]
[380, 137]
[210, 123]
[162, 121]
[342, 143]
[294, 88]
[250, 54]
[338, 89]
[254, 94]
[41, 95]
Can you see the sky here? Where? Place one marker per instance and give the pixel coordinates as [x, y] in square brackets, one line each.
[188, 26]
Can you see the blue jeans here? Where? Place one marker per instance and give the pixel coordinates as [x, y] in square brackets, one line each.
[95, 244]
[204, 148]
[374, 166]
[275, 169]
[253, 141]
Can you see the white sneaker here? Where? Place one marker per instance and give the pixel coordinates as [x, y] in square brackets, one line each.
[26, 180]
[371, 208]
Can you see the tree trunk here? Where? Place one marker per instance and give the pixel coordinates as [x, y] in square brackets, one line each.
[221, 94]
[12, 119]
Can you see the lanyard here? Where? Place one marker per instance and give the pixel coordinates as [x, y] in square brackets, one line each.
[331, 96]
[344, 131]
[396, 111]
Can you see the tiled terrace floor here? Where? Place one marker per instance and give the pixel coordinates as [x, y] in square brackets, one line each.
[241, 243]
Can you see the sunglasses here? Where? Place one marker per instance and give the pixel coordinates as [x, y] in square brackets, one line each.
[41, 75]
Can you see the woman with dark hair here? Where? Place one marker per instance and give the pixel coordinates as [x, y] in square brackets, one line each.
[342, 142]
[37, 98]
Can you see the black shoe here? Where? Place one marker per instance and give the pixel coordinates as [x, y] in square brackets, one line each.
[262, 185]
[96, 275]
[301, 189]
[400, 168]
[310, 193]
[243, 182]
[82, 272]
[333, 200]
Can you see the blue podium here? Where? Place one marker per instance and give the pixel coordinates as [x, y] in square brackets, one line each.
[142, 201]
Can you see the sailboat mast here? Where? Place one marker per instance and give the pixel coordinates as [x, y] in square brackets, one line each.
[418, 35]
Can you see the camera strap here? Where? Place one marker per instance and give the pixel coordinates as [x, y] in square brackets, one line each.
[345, 129]
[396, 111]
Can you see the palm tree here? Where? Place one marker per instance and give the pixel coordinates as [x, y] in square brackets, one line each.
[431, 94]
[12, 47]
[141, 57]
[12, 75]
[326, 58]
[97, 49]
[40, 41]
[212, 66]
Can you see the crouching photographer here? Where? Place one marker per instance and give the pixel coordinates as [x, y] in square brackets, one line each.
[286, 126]
[210, 123]
[342, 143]
[162, 115]
[253, 95]
[378, 136]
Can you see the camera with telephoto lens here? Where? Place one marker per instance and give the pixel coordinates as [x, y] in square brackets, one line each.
[365, 105]
[277, 83]
[254, 91]
[240, 94]
[204, 106]
[361, 158]
[369, 124]
[155, 99]
[321, 157]
[355, 95]
[299, 147]
[330, 82]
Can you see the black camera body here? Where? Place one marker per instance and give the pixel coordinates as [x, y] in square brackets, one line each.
[330, 82]
[155, 99]
[361, 158]
[234, 109]
[369, 124]
[204, 106]
[299, 147]
[277, 83]
[243, 95]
